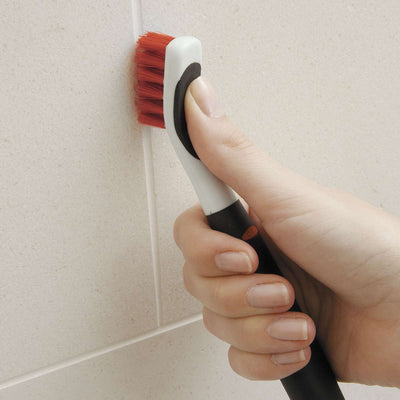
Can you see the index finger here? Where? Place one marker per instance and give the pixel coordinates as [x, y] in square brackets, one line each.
[209, 252]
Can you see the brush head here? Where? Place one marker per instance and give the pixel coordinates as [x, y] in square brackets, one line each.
[149, 78]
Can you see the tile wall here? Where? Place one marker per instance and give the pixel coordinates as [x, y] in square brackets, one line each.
[92, 304]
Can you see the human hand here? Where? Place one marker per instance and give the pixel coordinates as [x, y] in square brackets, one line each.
[341, 257]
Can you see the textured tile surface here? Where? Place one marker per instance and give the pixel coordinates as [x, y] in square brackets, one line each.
[173, 193]
[74, 240]
[314, 84]
[182, 364]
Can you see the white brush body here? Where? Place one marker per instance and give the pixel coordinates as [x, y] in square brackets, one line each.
[213, 194]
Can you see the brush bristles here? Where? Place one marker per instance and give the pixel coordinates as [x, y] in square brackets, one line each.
[149, 78]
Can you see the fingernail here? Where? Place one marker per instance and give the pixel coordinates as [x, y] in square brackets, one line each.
[289, 329]
[268, 295]
[205, 97]
[288, 358]
[235, 261]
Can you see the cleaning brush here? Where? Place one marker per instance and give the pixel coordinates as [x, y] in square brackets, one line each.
[165, 66]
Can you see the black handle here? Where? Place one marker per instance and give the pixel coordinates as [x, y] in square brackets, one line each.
[316, 381]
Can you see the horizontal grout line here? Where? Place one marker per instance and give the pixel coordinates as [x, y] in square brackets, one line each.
[97, 353]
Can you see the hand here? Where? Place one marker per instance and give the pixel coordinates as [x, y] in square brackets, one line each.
[341, 258]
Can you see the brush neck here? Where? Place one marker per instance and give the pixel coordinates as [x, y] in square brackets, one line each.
[182, 66]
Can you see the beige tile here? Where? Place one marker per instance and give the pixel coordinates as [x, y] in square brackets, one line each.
[187, 363]
[76, 269]
[173, 193]
[316, 86]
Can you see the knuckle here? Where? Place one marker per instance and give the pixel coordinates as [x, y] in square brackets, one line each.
[256, 370]
[196, 253]
[187, 278]
[241, 333]
[177, 228]
[248, 334]
[245, 365]
[233, 360]
[206, 318]
[236, 140]
[223, 298]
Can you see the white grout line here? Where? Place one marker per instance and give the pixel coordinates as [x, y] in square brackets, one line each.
[151, 205]
[149, 176]
[98, 353]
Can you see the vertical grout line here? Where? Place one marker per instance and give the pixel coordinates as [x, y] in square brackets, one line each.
[137, 22]
[151, 204]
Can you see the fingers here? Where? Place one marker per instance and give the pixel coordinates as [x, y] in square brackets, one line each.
[217, 271]
[266, 334]
[265, 347]
[249, 311]
[240, 295]
[211, 253]
[267, 366]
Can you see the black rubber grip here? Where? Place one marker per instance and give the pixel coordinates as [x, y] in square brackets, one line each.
[192, 72]
[316, 381]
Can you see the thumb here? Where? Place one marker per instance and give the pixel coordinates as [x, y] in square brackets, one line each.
[232, 157]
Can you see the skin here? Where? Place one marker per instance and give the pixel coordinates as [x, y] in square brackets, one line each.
[340, 257]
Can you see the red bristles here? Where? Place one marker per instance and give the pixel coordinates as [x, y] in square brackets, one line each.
[149, 78]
